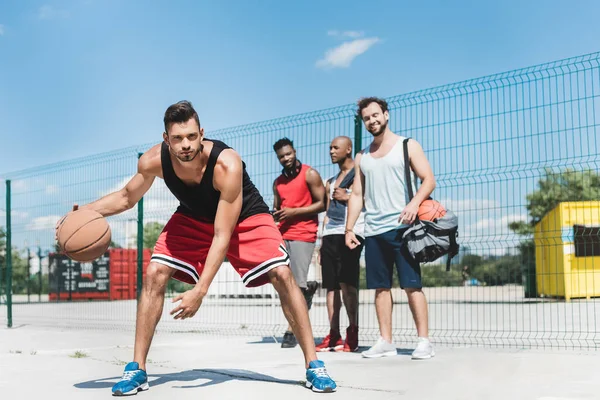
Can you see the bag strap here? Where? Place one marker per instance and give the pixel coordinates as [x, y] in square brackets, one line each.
[453, 248]
[407, 170]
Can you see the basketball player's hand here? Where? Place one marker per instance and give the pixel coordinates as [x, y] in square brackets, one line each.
[409, 214]
[351, 240]
[284, 213]
[340, 194]
[190, 303]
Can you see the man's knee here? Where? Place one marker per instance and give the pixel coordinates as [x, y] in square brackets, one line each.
[280, 275]
[157, 275]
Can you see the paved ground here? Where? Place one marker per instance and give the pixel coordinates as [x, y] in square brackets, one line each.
[491, 316]
[36, 362]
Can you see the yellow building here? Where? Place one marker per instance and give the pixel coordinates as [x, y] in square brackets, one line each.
[567, 251]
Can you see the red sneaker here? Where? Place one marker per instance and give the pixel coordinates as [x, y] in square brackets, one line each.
[331, 342]
[351, 342]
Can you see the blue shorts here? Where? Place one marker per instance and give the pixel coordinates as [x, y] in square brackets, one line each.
[381, 252]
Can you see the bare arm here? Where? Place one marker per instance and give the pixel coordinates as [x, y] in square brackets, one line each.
[317, 192]
[138, 185]
[420, 165]
[228, 180]
[355, 202]
[276, 198]
[327, 202]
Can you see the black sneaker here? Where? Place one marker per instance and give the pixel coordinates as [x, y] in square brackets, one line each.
[309, 292]
[289, 340]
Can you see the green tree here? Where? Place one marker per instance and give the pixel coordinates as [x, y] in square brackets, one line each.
[555, 188]
[20, 276]
[152, 231]
[19, 267]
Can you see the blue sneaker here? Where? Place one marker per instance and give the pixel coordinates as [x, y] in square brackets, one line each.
[318, 379]
[134, 380]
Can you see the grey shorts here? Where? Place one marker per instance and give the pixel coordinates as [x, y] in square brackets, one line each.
[300, 257]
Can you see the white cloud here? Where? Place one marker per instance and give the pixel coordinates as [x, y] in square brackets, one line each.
[347, 34]
[43, 223]
[47, 12]
[1, 30]
[497, 225]
[14, 215]
[51, 189]
[343, 55]
[18, 185]
[469, 205]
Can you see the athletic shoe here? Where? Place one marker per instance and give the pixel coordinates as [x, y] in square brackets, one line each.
[351, 342]
[134, 380]
[309, 292]
[289, 340]
[331, 342]
[424, 350]
[382, 348]
[318, 379]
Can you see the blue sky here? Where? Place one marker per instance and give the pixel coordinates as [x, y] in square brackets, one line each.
[81, 77]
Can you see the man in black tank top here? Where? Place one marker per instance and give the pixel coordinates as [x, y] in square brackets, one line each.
[201, 201]
[221, 213]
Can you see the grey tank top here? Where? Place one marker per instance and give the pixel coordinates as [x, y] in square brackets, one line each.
[385, 189]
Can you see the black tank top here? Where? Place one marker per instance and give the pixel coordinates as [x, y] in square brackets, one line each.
[200, 201]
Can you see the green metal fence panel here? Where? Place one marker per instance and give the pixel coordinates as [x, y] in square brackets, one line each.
[8, 257]
[506, 150]
[3, 245]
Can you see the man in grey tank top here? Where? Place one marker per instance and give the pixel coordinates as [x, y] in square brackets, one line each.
[388, 212]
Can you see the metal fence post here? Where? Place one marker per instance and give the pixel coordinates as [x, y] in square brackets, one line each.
[8, 258]
[28, 275]
[357, 134]
[140, 243]
[39, 254]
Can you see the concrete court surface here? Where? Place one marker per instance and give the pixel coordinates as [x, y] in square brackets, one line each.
[83, 364]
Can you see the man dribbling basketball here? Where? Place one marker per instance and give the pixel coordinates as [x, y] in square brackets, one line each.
[221, 213]
[380, 178]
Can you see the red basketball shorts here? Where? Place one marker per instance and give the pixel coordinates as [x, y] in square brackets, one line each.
[255, 248]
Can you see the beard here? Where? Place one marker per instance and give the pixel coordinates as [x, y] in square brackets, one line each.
[379, 131]
[188, 157]
[292, 167]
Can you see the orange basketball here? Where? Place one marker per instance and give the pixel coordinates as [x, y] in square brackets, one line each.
[84, 235]
[430, 210]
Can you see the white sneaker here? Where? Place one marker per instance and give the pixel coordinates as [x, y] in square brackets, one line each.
[382, 348]
[424, 350]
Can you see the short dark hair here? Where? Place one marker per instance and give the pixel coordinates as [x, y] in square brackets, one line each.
[282, 143]
[180, 112]
[365, 101]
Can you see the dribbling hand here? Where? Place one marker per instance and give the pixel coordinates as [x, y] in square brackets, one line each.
[190, 303]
